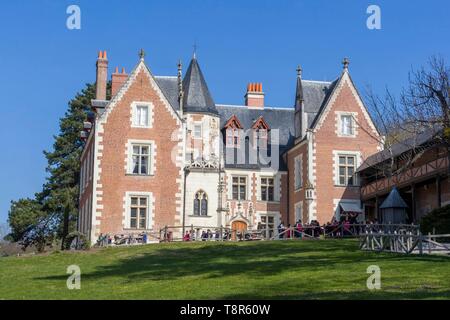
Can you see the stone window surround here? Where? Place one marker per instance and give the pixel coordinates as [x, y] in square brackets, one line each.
[336, 154]
[129, 156]
[275, 214]
[277, 186]
[150, 107]
[354, 117]
[298, 165]
[127, 209]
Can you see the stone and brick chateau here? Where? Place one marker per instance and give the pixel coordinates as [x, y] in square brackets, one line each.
[161, 152]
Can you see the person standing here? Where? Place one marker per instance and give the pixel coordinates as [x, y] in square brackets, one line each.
[281, 230]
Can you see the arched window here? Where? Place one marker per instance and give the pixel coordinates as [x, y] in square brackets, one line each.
[201, 204]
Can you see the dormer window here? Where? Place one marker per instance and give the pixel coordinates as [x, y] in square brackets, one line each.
[261, 138]
[232, 129]
[232, 137]
[260, 133]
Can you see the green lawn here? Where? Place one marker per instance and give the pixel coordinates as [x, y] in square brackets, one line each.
[331, 269]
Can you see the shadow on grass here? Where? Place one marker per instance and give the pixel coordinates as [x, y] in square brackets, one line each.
[214, 260]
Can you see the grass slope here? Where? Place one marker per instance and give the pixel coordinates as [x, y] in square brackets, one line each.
[332, 269]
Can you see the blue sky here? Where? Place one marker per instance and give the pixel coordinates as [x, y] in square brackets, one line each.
[44, 64]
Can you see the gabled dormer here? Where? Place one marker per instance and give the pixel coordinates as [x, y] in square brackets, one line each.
[260, 132]
[231, 131]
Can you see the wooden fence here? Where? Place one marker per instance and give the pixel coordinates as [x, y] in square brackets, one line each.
[405, 242]
[399, 238]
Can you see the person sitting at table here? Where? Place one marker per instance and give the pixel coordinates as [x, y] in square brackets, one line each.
[187, 237]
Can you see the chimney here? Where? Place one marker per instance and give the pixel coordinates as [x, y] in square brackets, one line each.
[102, 75]
[117, 80]
[254, 98]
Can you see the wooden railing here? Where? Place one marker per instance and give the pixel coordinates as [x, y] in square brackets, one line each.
[404, 242]
[404, 178]
[307, 232]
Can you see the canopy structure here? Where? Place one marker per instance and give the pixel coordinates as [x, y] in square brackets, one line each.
[350, 208]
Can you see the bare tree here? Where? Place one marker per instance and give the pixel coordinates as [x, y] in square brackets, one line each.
[423, 106]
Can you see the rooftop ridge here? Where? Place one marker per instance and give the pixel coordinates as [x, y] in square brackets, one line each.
[317, 81]
[247, 108]
[166, 77]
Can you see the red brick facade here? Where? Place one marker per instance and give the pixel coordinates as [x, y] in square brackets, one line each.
[184, 152]
[320, 150]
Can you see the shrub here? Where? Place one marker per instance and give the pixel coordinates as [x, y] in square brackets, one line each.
[438, 219]
[82, 244]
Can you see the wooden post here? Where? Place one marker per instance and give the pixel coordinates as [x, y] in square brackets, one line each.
[438, 190]
[377, 213]
[429, 238]
[420, 244]
[413, 204]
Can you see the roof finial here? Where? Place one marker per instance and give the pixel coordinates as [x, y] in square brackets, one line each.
[180, 86]
[345, 63]
[142, 54]
[299, 71]
[194, 55]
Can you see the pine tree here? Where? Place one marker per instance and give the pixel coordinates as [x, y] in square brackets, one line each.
[57, 203]
[60, 192]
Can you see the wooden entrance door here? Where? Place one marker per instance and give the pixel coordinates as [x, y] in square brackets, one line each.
[238, 227]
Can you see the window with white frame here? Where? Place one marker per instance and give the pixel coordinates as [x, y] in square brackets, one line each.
[267, 189]
[232, 137]
[267, 225]
[138, 212]
[260, 138]
[347, 126]
[198, 131]
[239, 188]
[347, 170]
[298, 172]
[141, 115]
[141, 159]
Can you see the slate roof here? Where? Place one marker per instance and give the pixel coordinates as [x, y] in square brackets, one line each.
[277, 118]
[169, 87]
[394, 200]
[401, 147]
[316, 95]
[197, 97]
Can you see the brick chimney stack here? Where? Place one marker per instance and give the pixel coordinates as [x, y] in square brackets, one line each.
[254, 98]
[102, 76]
[117, 80]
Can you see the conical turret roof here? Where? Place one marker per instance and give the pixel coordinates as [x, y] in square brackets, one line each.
[394, 200]
[196, 97]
